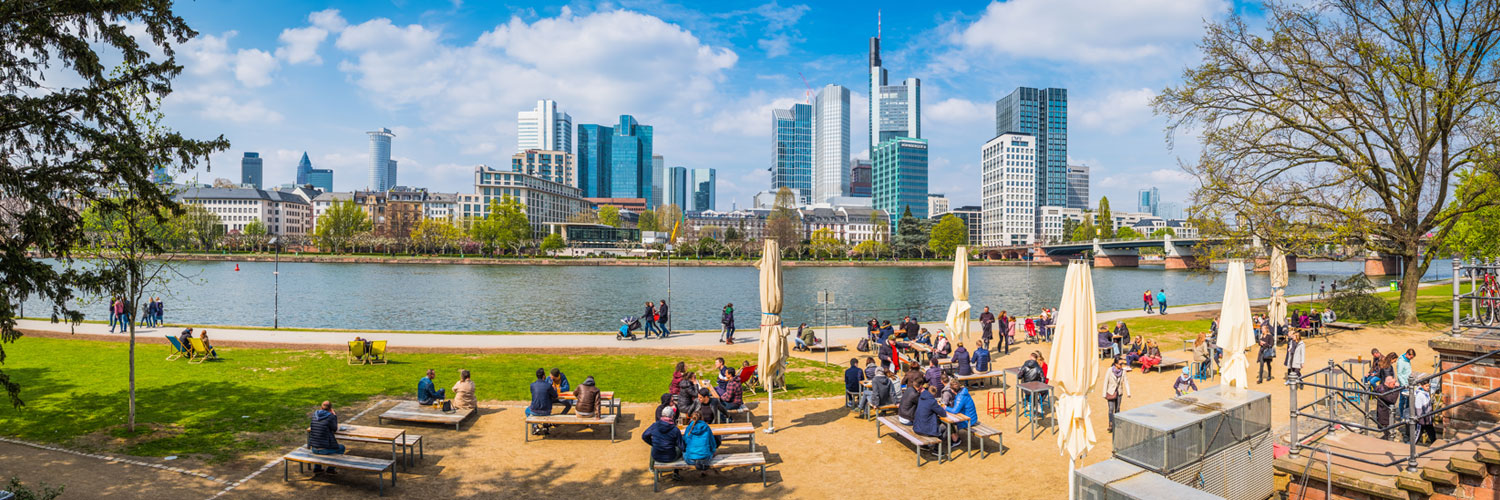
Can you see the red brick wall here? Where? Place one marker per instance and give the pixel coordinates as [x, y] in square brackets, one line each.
[1467, 382]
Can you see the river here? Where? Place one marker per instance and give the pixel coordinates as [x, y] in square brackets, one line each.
[594, 298]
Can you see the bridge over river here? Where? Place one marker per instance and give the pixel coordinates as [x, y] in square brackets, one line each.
[1178, 253]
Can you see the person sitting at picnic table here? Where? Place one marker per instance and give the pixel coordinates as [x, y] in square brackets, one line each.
[699, 443]
[677, 375]
[941, 347]
[1152, 356]
[906, 410]
[560, 385]
[1122, 334]
[881, 392]
[928, 417]
[852, 378]
[687, 394]
[963, 404]
[872, 329]
[1031, 371]
[924, 337]
[428, 394]
[885, 332]
[961, 361]
[463, 392]
[981, 359]
[946, 395]
[934, 373]
[1329, 316]
[733, 395]
[588, 397]
[664, 438]
[1107, 340]
[1184, 381]
[1134, 352]
[320, 435]
[543, 396]
[870, 367]
[667, 404]
[723, 373]
[1201, 355]
[713, 410]
[207, 346]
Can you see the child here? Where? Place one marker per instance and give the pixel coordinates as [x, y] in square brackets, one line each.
[1184, 380]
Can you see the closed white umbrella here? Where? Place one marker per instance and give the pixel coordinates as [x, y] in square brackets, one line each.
[773, 348]
[958, 311]
[1235, 332]
[1277, 308]
[1075, 368]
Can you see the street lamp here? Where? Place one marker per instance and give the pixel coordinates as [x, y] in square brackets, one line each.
[276, 288]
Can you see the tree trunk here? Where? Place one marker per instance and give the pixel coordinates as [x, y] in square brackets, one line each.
[1412, 271]
[130, 420]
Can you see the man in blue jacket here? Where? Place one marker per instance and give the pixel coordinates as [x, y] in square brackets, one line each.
[852, 378]
[543, 396]
[664, 438]
[963, 404]
[926, 421]
[981, 359]
[320, 435]
[426, 392]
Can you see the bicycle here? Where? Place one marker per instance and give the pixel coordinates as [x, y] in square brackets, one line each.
[1487, 292]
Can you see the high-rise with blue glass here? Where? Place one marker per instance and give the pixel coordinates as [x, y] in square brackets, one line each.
[1042, 113]
[703, 189]
[792, 150]
[592, 159]
[900, 177]
[250, 170]
[382, 167]
[630, 161]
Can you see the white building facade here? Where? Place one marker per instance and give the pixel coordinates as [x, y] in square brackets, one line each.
[1008, 199]
[936, 204]
[544, 128]
[1054, 218]
[282, 212]
[544, 201]
[830, 143]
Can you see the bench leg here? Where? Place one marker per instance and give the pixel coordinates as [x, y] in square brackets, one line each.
[528, 433]
[611, 432]
[284, 468]
[763, 482]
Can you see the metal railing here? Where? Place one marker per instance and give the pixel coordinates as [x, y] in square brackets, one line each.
[1411, 421]
[1479, 272]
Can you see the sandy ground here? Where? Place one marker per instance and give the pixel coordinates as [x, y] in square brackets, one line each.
[819, 451]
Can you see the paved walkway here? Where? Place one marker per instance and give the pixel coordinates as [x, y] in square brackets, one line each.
[840, 335]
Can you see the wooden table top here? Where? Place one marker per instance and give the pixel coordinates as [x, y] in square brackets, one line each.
[954, 418]
[602, 395]
[370, 432]
[1034, 386]
[414, 412]
[729, 429]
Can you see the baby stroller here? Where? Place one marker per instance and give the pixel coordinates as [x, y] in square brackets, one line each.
[1030, 331]
[627, 329]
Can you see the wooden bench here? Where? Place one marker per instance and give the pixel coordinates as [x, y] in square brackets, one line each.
[908, 435]
[411, 445]
[410, 411]
[744, 409]
[303, 456]
[1172, 361]
[1343, 325]
[717, 462]
[881, 409]
[571, 420]
[982, 431]
[979, 377]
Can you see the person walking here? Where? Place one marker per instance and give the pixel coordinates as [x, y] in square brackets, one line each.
[1403, 380]
[661, 320]
[1007, 330]
[649, 318]
[727, 319]
[1149, 301]
[987, 325]
[1294, 354]
[1116, 386]
[1161, 300]
[1267, 353]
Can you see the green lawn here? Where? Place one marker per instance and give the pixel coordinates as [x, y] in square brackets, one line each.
[75, 390]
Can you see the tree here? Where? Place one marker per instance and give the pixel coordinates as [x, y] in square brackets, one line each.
[1128, 233]
[1163, 233]
[71, 129]
[338, 225]
[1085, 232]
[200, 227]
[1347, 120]
[552, 243]
[222, 183]
[668, 219]
[1105, 227]
[514, 227]
[824, 241]
[785, 223]
[647, 221]
[255, 233]
[1069, 226]
[1477, 235]
[882, 235]
[911, 235]
[869, 248]
[609, 215]
[732, 239]
[435, 234]
[947, 235]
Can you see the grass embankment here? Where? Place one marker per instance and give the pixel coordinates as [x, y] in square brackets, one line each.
[346, 330]
[255, 399]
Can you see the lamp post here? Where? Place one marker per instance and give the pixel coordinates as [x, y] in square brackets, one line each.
[276, 287]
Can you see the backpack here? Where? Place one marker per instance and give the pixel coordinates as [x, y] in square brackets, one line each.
[863, 346]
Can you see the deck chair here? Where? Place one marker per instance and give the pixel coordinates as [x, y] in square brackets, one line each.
[748, 378]
[200, 352]
[377, 352]
[178, 350]
[356, 354]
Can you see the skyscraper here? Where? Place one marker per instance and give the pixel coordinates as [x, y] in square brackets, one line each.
[630, 161]
[830, 171]
[674, 188]
[1150, 201]
[1042, 113]
[900, 177]
[1008, 194]
[321, 178]
[658, 166]
[593, 160]
[555, 166]
[703, 189]
[250, 169]
[382, 168]
[544, 128]
[895, 110]
[791, 150]
[304, 167]
[1078, 186]
[861, 179]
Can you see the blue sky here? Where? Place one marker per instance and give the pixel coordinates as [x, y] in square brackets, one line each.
[283, 77]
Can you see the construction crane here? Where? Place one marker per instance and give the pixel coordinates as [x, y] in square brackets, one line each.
[809, 87]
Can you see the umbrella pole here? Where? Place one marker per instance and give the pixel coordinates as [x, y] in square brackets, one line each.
[771, 409]
[1072, 485]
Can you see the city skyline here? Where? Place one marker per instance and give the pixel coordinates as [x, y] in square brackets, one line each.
[309, 79]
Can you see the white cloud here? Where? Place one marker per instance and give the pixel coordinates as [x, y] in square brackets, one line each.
[776, 45]
[207, 54]
[1118, 111]
[217, 106]
[253, 67]
[1089, 30]
[751, 116]
[329, 20]
[954, 110]
[300, 45]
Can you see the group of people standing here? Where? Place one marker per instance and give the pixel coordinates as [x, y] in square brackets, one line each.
[1401, 393]
[1157, 301]
[122, 314]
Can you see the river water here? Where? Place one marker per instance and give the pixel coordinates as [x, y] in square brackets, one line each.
[594, 298]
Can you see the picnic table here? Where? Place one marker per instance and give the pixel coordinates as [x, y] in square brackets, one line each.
[736, 430]
[411, 411]
[1034, 406]
[606, 399]
[953, 419]
[371, 434]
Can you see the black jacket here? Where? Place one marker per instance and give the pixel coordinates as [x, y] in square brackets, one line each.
[320, 435]
[883, 389]
[665, 440]
[661, 311]
[1030, 372]
[908, 407]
